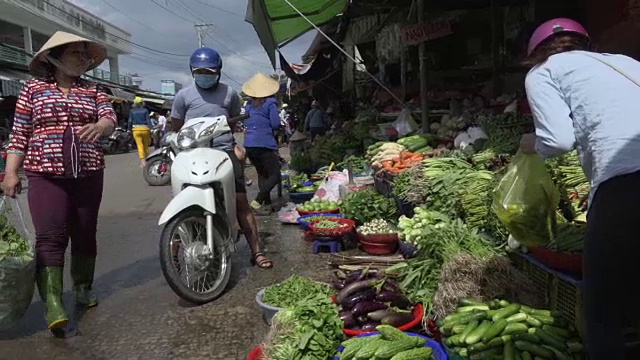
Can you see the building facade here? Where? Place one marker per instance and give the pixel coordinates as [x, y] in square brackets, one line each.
[26, 25]
[169, 87]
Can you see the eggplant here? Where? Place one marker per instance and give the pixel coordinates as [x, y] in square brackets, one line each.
[397, 319]
[353, 288]
[362, 319]
[366, 307]
[366, 295]
[348, 319]
[337, 284]
[370, 326]
[380, 314]
[396, 299]
[353, 276]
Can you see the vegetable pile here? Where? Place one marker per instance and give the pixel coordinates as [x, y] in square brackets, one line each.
[319, 205]
[366, 205]
[12, 243]
[367, 300]
[376, 226]
[391, 344]
[294, 290]
[310, 330]
[329, 224]
[508, 331]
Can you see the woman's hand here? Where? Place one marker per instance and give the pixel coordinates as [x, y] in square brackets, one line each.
[92, 132]
[528, 143]
[11, 185]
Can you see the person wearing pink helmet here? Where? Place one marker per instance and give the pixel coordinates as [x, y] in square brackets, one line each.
[590, 101]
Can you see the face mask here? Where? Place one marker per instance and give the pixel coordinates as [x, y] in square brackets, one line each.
[69, 71]
[206, 81]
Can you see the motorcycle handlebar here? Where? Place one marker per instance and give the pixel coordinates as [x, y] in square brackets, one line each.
[238, 119]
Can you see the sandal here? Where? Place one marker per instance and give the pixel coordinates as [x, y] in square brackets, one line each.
[262, 264]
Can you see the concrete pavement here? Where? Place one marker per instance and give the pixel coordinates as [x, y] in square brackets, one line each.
[139, 317]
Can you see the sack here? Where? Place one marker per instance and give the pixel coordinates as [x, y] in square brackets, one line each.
[405, 124]
[526, 201]
[17, 264]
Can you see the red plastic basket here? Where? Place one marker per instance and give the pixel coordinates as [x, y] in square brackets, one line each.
[308, 236]
[302, 212]
[256, 354]
[564, 262]
[347, 227]
[418, 314]
[379, 238]
[379, 249]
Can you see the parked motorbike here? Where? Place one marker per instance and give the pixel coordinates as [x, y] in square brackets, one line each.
[157, 171]
[200, 227]
[118, 142]
[156, 138]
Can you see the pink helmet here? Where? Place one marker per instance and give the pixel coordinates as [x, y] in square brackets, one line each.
[552, 27]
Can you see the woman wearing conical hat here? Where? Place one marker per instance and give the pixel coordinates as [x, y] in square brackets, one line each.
[59, 120]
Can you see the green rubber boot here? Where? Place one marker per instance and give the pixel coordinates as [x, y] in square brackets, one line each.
[49, 280]
[82, 270]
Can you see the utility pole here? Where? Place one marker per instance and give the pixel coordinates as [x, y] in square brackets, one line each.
[201, 30]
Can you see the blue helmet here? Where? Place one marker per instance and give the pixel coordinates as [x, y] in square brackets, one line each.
[206, 58]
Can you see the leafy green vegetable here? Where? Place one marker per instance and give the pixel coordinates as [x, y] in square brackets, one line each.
[293, 290]
[309, 330]
[366, 205]
[12, 243]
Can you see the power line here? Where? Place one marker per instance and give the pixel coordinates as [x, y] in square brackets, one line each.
[108, 33]
[180, 16]
[188, 10]
[219, 8]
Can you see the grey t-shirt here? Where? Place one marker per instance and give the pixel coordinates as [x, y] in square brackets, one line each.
[193, 102]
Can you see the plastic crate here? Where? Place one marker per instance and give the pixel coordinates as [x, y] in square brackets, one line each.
[559, 292]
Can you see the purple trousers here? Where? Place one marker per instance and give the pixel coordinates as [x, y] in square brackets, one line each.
[62, 209]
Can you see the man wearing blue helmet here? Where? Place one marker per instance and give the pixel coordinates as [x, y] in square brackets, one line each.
[208, 97]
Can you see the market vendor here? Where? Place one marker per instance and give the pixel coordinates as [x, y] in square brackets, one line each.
[298, 142]
[590, 101]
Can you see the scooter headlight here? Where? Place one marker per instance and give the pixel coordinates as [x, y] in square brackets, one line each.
[187, 138]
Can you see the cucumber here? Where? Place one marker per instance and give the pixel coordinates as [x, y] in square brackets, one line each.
[546, 320]
[495, 342]
[505, 303]
[451, 317]
[472, 325]
[535, 349]
[574, 347]
[532, 338]
[494, 304]
[525, 309]
[551, 340]
[531, 320]
[526, 356]
[477, 333]
[470, 308]
[490, 313]
[506, 312]
[468, 302]
[494, 330]
[486, 354]
[514, 328]
[463, 320]
[457, 329]
[558, 331]
[453, 340]
[545, 313]
[517, 318]
[509, 352]
[559, 354]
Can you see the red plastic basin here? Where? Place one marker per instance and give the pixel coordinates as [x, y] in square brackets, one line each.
[256, 354]
[418, 314]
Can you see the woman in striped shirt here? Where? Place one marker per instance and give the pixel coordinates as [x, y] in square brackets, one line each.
[59, 120]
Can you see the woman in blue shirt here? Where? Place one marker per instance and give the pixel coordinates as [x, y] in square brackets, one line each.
[140, 125]
[259, 140]
[590, 102]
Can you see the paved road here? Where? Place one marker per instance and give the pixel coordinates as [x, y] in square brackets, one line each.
[139, 317]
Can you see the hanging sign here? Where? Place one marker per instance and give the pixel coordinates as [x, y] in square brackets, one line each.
[433, 29]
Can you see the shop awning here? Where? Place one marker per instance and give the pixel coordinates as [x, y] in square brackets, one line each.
[155, 101]
[277, 23]
[14, 75]
[121, 94]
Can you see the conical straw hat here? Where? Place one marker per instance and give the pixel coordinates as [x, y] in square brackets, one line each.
[95, 51]
[260, 86]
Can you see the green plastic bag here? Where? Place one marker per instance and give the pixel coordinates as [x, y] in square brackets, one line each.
[526, 201]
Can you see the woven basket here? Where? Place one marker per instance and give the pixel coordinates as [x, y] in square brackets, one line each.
[346, 227]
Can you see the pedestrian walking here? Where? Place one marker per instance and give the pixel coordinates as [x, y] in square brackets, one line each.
[59, 120]
[317, 121]
[589, 101]
[259, 141]
[140, 125]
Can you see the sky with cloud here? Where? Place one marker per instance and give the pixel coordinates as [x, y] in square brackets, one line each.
[168, 26]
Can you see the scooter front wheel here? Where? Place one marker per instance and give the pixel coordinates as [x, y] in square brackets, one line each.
[194, 272]
[154, 173]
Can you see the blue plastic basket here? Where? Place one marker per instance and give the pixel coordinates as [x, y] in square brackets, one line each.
[301, 198]
[305, 224]
[439, 352]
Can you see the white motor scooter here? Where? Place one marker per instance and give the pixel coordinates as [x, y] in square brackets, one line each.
[200, 225]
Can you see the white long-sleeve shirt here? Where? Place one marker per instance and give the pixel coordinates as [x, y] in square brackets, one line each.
[579, 102]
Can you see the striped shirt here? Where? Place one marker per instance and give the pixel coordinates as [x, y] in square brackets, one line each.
[43, 115]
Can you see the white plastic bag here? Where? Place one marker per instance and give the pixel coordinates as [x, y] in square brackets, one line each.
[405, 124]
[288, 214]
[330, 189]
[17, 273]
